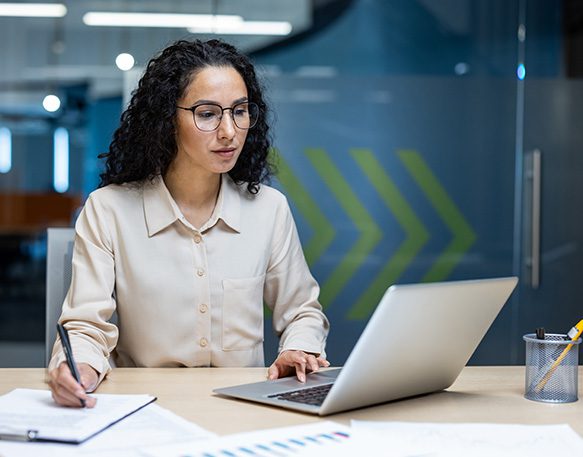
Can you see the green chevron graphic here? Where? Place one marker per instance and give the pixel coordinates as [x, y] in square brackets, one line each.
[323, 231]
[370, 234]
[463, 235]
[416, 234]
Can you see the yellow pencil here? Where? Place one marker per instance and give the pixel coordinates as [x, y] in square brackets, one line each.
[574, 334]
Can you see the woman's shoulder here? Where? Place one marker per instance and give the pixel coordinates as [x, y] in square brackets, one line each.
[266, 195]
[116, 194]
[271, 193]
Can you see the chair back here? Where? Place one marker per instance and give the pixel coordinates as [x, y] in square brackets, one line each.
[59, 258]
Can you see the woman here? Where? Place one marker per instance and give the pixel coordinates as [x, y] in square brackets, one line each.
[182, 240]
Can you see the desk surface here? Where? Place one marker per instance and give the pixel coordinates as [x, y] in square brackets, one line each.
[480, 394]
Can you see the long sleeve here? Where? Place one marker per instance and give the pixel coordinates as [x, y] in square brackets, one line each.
[89, 304]
[291, 292]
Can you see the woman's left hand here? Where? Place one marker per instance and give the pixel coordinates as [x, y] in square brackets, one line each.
[298, 362]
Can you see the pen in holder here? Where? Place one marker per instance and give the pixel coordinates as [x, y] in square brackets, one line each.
[551, 368]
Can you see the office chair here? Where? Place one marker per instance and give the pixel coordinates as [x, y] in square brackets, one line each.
[59, 257]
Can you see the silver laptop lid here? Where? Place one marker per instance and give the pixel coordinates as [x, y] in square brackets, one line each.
[417, 341]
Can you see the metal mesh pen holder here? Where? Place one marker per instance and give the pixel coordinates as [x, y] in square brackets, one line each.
[551, 368]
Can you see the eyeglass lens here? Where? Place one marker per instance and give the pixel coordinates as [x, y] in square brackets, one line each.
[208, 117]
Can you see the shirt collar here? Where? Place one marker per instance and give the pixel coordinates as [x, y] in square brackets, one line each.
[160, 209]
[228, 207]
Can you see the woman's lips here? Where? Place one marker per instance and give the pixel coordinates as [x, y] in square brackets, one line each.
[225, 152]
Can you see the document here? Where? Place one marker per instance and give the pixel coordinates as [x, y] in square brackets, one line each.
[33, 415]
[150, 426]
[327, 438]
[472, 439]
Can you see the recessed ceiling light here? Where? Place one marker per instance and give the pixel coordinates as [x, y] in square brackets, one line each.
[51, 103]
[112, 19]
[247, 28]
[33, 9]
[125, 61]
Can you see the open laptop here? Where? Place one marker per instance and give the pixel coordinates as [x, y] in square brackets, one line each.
[417, 341]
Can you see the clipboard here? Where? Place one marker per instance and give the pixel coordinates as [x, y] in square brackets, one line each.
[32, 415]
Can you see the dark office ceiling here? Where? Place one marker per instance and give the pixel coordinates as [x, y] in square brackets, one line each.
[42, 54]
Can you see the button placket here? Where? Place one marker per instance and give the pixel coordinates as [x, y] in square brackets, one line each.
[202, 297]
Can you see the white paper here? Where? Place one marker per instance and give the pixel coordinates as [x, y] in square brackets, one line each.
[31, 409]
[150, 426]
[473, 439]
[325, 437]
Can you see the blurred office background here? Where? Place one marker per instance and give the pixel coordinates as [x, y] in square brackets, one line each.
[417, 140]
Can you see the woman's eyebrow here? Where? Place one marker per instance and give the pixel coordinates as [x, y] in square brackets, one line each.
[214, 102]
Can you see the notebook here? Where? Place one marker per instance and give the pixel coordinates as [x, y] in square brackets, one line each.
[417, 341]
[33, 415]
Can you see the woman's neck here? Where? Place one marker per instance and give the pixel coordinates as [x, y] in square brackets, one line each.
[195, 194]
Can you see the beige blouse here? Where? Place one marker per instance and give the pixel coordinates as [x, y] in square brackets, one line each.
[186, 296]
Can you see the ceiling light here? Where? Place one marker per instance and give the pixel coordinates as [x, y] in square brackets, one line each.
[5, 150]
[247, 28]
[111, 19]
[61, 160]
[125, 61]
[461, 68]
[51, 103]
[33, 9]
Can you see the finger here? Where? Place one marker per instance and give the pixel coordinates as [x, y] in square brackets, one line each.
[66, 380]
[300, 365]
[323, 362]
[90, 401]
[273, 372]
[74, 399]
[68, 389]
[65, 397]
[313, 363]
[89, 377]
[301, 373]
[87, 382]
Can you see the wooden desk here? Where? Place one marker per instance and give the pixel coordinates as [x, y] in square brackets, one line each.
[481, 394]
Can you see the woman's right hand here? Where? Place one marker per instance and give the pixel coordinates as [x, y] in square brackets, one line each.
[68, 392]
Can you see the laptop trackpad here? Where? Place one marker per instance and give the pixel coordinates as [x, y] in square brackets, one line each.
[330, 374]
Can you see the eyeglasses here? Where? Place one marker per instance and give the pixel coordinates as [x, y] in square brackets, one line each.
[207, 116]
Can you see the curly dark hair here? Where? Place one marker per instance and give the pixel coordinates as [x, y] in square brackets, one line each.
[144, 144]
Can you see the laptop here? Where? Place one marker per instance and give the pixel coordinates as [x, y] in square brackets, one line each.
[417, 341]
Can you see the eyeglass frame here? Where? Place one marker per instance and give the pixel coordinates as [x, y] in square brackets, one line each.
[194, 107]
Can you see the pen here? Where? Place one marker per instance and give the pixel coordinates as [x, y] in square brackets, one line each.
[64, 335]
[27, 435]
[574, 335]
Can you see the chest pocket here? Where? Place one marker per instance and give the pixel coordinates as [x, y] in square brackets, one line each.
[242, 313]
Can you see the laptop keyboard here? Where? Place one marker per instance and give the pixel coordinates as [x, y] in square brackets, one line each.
[308, 396]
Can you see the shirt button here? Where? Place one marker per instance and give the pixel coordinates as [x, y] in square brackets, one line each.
[203, 308]
[203, 342]
[197, 238]
[200, 271]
